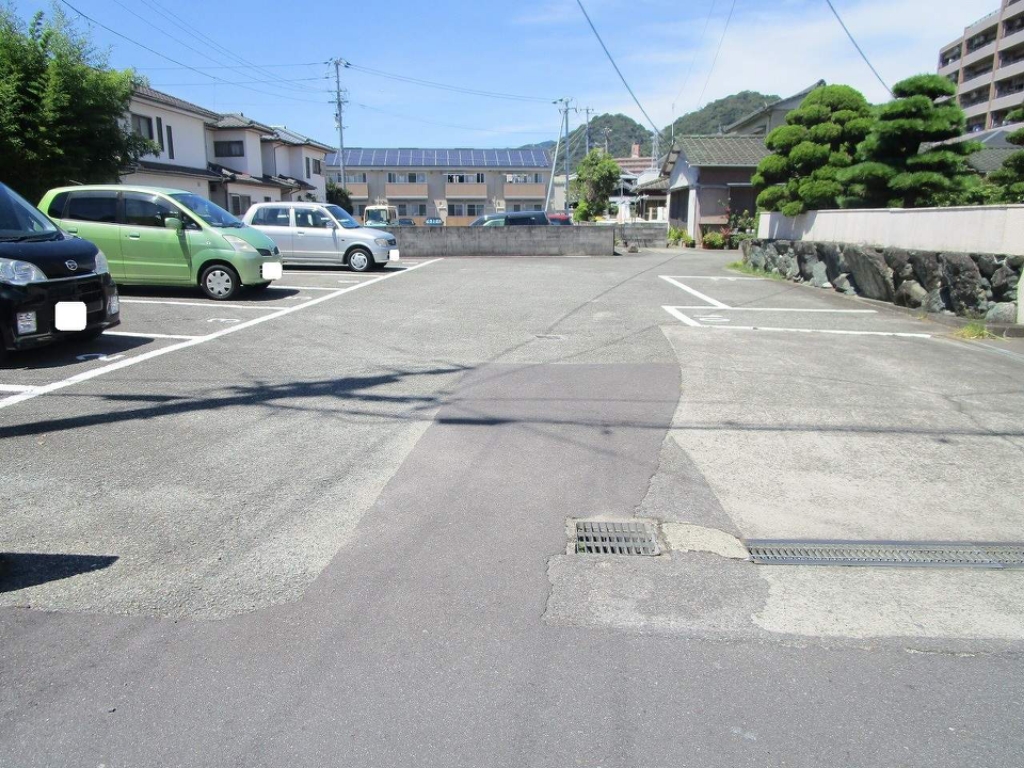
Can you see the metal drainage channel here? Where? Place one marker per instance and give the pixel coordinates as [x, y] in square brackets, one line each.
[888, 554]
[609, 538]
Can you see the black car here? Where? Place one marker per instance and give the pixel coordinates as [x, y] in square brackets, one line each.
[52, 285]
[515, 218]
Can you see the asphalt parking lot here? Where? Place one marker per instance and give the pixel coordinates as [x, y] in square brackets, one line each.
[330, 526]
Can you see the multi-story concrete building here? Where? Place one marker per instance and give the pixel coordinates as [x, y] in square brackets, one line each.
[987, 65]
[456, 185]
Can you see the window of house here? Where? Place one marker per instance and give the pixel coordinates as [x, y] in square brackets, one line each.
[307, 167]
[355, 178]
[240, 203]
[360, 210]
[160, 134]
[421, 209]
[229, 149]
[524, 178]
[475, 209]
[456, 209]
[143, 126]
[170, 143]
[148, 210]
[465, 178]
[100, 207]
[403, 209]
[538, 207]
[406, 178]
[516, 207]
[317, 167]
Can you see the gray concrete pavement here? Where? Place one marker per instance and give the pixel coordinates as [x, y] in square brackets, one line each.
[340, 533]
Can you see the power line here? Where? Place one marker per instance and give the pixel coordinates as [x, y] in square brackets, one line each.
[442, 86]
[243, 82]
[693, 59]
[245, 66]
[175, 61]
[616, 66]
[714, 62]
[443, 125]
[861, 52]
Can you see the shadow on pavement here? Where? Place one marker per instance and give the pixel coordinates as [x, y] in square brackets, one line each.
[19, 570]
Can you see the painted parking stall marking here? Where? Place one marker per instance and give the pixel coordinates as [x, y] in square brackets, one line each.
[155, 325]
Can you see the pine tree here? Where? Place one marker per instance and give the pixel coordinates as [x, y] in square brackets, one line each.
[1010, 178]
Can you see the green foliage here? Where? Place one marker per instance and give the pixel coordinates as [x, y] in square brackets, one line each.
[679, 236]
[892, 170]
[61, 110]
[339, 196]
[809, 151]
[714, 241]
[596, 178]
[582, 212]
[1009, 180]
[716, 115]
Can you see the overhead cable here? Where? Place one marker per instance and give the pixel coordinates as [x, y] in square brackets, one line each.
[859, 50]
[714, 62]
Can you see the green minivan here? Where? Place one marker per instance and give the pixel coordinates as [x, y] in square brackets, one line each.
[158, 236]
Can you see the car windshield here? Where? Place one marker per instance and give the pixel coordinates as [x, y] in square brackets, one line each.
[209, 212]
[344, 217]
[20, 221]
[377, 216]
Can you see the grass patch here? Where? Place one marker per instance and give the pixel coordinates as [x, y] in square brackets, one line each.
[975, 329]
[746, 269]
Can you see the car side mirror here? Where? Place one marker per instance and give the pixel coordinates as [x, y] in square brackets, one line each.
[331, 225]
[172, 222]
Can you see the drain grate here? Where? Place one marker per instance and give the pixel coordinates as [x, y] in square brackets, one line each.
[887, 553]
[609, 538]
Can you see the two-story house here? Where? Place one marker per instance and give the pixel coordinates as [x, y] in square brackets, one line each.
[234, 144]
[292, 156]
[179, 128]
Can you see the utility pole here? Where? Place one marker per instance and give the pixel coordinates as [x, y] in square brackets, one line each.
[655, 150]
[587, 111]
[340, 103]
[564, 109]
[607, 133]
[554, 165]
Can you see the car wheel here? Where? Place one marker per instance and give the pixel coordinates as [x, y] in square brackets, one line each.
[360, 260]
[219, 282]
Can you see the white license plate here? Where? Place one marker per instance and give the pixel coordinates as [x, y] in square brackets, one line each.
[69, 315]
[393, 254]
[272, 270]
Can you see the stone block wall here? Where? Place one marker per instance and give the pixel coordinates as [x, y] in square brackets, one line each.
[505, 241]
[979, 285]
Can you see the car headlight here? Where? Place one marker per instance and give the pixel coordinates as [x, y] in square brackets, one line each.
[382, 241]
[240, 245]
[17, 272]
[102, 266]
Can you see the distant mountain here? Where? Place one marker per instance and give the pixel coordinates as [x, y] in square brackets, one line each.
[713, 117]
[622, 132]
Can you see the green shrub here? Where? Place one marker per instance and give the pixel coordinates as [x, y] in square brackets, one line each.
[679, 236]
[714, 241]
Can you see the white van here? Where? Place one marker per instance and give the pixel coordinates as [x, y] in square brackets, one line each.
[322, 233]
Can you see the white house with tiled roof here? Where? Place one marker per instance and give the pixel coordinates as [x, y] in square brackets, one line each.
[290, 155]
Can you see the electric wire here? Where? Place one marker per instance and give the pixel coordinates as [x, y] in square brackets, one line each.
[443, 125]
[175, 61]
[693, 59]
[242, 82]
[442, 86]
[616, 66]
[714, 61]
[859, 49]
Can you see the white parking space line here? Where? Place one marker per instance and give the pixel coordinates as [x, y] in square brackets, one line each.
[210, 305]
[102, 370]
[304, 287]
[713, 302]
[815, 330]
[786, 309]
[149, 335]
[683, 318]
[15, 388]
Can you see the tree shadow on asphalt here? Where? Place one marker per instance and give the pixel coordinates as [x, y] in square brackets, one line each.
[19, 570]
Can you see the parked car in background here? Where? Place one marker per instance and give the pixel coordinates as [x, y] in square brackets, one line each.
[380, 216]
[322, 233]
[407, 222]
[52, 286]
[434, 222]
[564, 219]
[516, 218]
[160, 236]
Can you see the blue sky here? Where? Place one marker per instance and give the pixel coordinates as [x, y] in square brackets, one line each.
[537, 48]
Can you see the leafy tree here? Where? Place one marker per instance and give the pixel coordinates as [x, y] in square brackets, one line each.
[339, 196]
[1010, 178]
[62, 111]
[596, 178]
[893, 171]
[716, 115]
[809, 152]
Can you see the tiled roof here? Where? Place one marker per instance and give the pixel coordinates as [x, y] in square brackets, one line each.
[226, 174]
[633, 164]
[659, 184]
[291, 137]
[740, 151]
[990, 159]
[180, 170]
[160, 97]
[443, 158]
[232, 120]
[769, 107]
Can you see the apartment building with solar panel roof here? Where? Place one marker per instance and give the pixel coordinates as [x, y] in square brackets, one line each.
[456, 185]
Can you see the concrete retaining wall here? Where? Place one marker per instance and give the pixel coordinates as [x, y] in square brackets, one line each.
[977, 229]
[505, 241]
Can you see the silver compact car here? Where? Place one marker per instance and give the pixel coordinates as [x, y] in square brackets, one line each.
[322, 233]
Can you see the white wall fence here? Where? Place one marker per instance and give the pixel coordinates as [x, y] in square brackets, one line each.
[997, 229]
